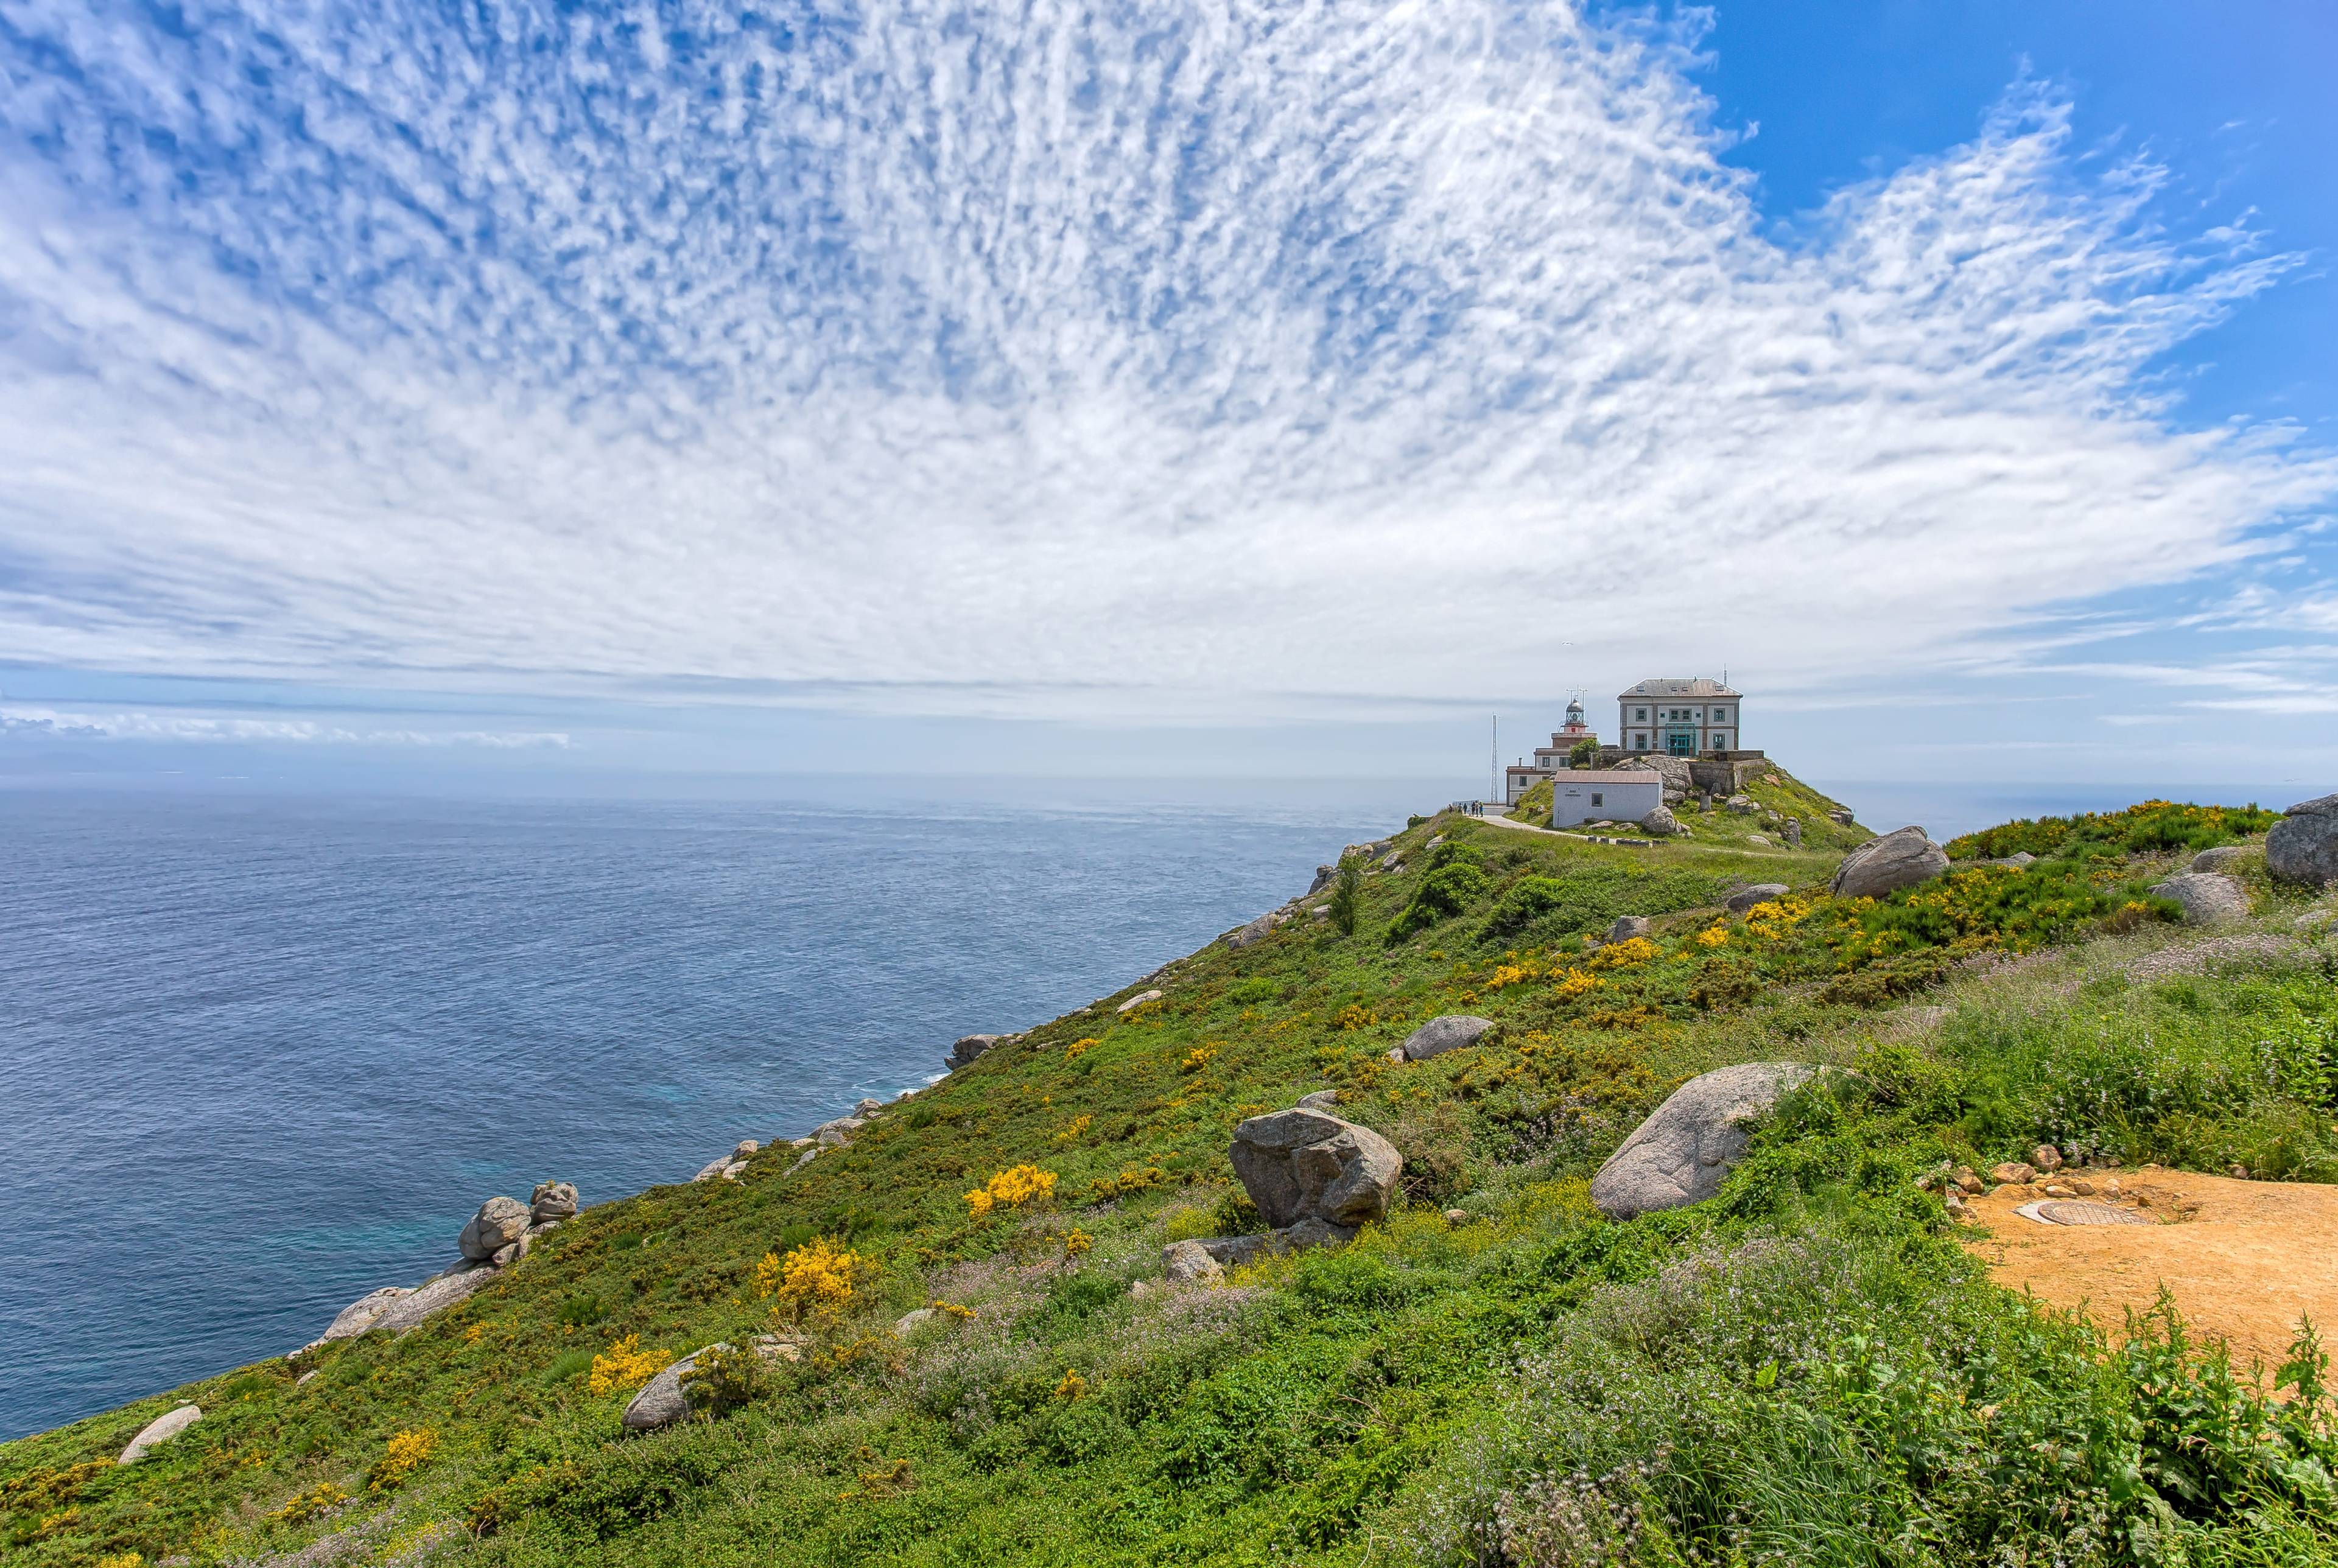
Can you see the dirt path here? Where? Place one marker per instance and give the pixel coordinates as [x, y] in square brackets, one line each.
[2244, 1259]
[1689, 843]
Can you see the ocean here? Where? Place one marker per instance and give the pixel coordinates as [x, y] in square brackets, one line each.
[259, 1054]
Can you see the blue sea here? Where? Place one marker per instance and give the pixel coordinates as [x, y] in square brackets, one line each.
[261, 1054]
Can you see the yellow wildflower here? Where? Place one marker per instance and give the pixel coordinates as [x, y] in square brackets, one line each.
[1013, 1186]
[626, 1364]
[818, 1274]
[1713, 936]
[1573, 983]
[1078, 1243]
[1073, 1386]
[1072, 1052]
[406, 1453]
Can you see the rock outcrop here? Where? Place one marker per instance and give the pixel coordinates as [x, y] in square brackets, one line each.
[1745, 898]
[551, 1202]
[1627, 926]
[1321, 1100]
[1190, 1264]
[1686, 1148]
[1438, 1035]
[1299, 1165]
[161, 1429]
[1660, 823]
[407, 1312]
[1882, 866]
[500, 1223]
[2208, 897]
[1678, 778]
[2219, 858]
[1139, 1000]
[363, 1313]
[2303, 848]
[965, 1048]
[1258, 930]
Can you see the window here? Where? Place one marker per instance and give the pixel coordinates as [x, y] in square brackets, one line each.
[1640, 715]
[1599, 799]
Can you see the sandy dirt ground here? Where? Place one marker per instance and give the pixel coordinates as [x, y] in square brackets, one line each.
[2244, 1259]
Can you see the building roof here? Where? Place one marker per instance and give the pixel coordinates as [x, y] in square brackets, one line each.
[1698, 687]
[1609, 776]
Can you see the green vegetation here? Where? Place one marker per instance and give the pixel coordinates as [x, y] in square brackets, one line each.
[1807, 1369]
[2147, 826]
[1534, 806]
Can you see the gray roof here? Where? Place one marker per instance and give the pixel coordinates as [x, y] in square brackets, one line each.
[1698, 687]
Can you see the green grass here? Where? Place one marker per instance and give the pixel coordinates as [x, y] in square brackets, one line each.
[1806, 1369]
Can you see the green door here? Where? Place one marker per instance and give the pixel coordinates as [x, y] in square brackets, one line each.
[1681, 743]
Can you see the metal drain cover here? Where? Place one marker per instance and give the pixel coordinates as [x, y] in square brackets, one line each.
[2064, 1212]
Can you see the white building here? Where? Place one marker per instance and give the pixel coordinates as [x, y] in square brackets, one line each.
[1681, 717]
[1594, 795]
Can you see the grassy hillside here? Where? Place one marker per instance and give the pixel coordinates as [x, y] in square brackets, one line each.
[1807, 1369]
[1776, 795]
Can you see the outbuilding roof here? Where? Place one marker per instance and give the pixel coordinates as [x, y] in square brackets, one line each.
[1697, 687]
[1608, 776]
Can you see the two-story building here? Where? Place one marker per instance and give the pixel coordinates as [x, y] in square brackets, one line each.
[1682, 717]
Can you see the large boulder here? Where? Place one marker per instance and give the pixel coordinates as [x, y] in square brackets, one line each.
[2303, 847]
[1439, 1035]
[1660, 823]
[2208, 897]
[1313, 1165]
[966, 1048]
[1257, 930]
[408, 1311]
[1682, 1152]
[161, 1429]
[1886, 865]
[1745, 898]
[1627, 926]
[2221, 858]
[500, 1223]
[661, 1402]
[551, 1202]
[364, 1313]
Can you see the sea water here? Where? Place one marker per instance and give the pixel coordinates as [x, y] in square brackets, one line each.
[259, 1056]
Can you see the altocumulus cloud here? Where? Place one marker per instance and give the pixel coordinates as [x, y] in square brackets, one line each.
[1230, 355]
[49, 723]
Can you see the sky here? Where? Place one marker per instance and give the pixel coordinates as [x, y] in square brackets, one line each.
[617, 393]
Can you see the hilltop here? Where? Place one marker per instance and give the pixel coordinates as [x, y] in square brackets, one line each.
[971, 1354]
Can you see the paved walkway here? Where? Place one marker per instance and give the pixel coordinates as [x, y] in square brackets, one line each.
[1588, 838]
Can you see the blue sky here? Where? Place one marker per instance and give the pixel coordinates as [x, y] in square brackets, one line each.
[526, 394]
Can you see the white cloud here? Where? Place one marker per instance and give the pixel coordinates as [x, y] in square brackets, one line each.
[1071, 363]
[44, 723]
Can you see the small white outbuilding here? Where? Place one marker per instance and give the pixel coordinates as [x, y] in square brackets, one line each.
[1598, 795]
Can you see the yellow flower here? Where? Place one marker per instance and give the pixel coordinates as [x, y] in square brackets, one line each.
[1574, 982]
[818, 1274]
[1353, 1017]
[1713, 936]
[1078, 1243]
[1073, 1386]
[1072, 1052]
[1509, 975]
[1074, 1130]
[406, 1453]
[1198, 1057]
[1623, 955]
[626, 1364]
[1013, 1186]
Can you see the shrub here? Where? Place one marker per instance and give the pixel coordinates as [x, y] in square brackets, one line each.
[723, 1379]
[1256, 989]
[1446, 891]
[2147, 826]
[1347, 895]
[406, 1453]
[1013, 1188]
[626, 1364]
[818, 1276]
